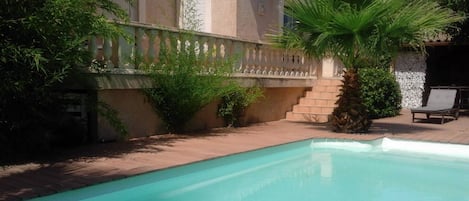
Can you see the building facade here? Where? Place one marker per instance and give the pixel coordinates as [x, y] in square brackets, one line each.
[249, 20]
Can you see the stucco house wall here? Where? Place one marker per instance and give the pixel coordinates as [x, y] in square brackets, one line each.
[245, 19]
[137, 114]
[256, 18]
[160, 12]
[224, 20]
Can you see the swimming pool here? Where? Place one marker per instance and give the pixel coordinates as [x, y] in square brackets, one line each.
[379, 170]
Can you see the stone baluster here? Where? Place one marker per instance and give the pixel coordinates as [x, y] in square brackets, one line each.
[312, 67]
[202, 50]
[285, 63]
[163, 45]
[290, 71]
[304, 65]
[256, 59]
[260, 63]
[210, 51]
[151, 54]
[239, 55]
[249, 65]
[288, 61]
[125, 51]
[218, 49]
[107, 47]
[278, 60]
[267, 60]
[299, 66]
[182, 43]
[271, 62]
[296, 68]
[228, 49]
[93, 47]
[173, 42]
[192, 46]
[139, 49]
[244, 57]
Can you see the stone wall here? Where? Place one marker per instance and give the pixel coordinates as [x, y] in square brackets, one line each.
[410, 70]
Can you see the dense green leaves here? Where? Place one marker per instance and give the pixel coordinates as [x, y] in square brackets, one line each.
[362, 30]
[234, 103]
[42, 43]
[380, 92]
[460, 30]
[184, 82]
[360, 33]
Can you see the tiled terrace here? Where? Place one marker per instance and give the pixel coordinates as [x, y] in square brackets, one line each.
[99, 163]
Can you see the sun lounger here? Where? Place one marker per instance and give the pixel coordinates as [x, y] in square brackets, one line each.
[441, 103]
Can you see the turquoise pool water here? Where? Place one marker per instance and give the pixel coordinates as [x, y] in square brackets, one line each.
[296, 172]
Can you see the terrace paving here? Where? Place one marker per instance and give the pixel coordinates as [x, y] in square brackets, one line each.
[98, 163]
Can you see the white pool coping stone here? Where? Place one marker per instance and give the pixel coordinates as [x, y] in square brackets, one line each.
[396, 145]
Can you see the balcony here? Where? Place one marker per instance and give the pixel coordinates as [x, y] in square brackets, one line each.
[254, 61]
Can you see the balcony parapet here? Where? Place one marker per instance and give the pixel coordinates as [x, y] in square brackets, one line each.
[251, 59]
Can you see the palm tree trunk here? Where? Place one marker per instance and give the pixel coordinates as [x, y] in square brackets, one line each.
[350, 116]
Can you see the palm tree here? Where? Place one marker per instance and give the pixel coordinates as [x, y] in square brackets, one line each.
[360, 32]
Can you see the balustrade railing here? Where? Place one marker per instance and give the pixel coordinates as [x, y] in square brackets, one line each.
[250, 58]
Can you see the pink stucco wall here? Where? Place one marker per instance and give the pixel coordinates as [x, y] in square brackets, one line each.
[245, 19]
[137, 113]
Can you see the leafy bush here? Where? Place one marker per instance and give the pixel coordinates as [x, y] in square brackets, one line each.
[184, 83]
[42, 44]
[234, 104]
[380, 92]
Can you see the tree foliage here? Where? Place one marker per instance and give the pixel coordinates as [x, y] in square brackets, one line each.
[361, 32]
[184, 82]
[460, 30]
[42, 43]
[380, 92]
[234, 103]
[357, 31]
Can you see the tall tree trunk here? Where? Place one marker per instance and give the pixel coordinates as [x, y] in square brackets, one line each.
[350, 116]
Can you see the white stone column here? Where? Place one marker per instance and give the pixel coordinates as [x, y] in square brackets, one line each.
[328, 67]
[410, 68]
[332, 67]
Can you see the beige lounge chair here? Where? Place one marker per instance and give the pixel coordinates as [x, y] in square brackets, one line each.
[441, 103]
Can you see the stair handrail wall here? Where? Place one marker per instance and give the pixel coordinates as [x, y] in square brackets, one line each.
[252, 59]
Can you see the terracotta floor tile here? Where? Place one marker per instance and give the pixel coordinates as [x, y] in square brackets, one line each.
[154, 153]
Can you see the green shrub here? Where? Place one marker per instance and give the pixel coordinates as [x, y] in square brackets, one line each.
[380, 92]
[233, 104]
[41, 45]
[184, 83]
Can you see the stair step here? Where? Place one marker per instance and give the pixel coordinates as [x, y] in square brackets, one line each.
[317, 102]
[312, 109]
[322, 95]
[307, 117]
[334, 89]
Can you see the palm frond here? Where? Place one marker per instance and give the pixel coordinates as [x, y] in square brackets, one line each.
[362, 29]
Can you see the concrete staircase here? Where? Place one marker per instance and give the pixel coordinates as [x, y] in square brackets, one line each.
[318, 103]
